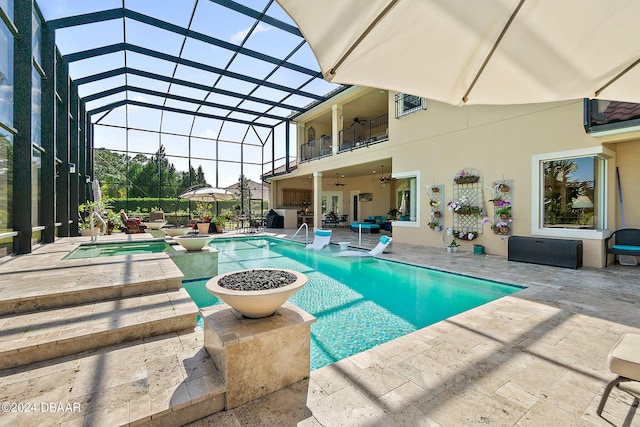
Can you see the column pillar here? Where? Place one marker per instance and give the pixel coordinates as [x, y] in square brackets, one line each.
[22, 106]
[74, 157]
[48, 117]
[317, 200]
[62, 145]
[336, 127]
[300, 141]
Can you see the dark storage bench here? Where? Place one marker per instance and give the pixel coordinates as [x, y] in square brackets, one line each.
[626, 242]
[546, 251]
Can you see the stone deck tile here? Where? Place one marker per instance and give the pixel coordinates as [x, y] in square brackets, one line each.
[535, 358]
[113, 385]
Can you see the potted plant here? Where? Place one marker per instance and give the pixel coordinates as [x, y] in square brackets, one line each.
[503, 210]
[435, 189]
[114, 220]
[219, 221]
[465, 234]
[434, 225]
[85, 213]
[393, 213]
[496, 200]
[502, 227]
[463, 206]
[453, 246]
[465, 177]
[204, 211]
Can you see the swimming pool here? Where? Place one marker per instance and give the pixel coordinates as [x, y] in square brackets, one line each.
[93, 250]
[358, 302]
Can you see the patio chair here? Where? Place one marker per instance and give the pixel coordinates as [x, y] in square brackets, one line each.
[321, 239]
[624, 360]
[379, 249]
[132, 225]
[156, 216]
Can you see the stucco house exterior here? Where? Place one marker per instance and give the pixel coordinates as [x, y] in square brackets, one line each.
[560, 161]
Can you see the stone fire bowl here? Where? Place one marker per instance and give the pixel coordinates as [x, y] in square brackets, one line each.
[259, 303]
[193, 242]
[173, 232]
[154, 225]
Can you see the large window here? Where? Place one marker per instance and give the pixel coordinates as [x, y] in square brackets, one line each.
[6, 182]
[6, 131]
[570, 192]
[6, 75]
[407, 199]
[332, 202]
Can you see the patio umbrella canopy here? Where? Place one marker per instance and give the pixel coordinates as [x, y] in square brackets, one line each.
[207, 194]
[478, 52]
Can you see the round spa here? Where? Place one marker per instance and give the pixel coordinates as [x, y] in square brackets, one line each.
[257, 292]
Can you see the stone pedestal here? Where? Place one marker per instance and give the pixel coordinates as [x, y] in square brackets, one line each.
[257, 356]
[196, 264]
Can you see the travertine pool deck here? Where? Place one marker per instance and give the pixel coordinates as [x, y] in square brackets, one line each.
[534, 358]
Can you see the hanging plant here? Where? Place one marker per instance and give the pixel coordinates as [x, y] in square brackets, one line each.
[465, 177]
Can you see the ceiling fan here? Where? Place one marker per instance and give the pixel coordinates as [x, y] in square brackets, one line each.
[338, 183]
[382, 178]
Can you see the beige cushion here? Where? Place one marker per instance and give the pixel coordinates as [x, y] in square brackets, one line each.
[624, 358]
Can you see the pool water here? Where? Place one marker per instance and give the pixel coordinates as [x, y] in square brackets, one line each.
[93, 250]
[359, 303]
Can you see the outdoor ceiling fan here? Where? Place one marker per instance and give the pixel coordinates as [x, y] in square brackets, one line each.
[338, 183]
[383, 179]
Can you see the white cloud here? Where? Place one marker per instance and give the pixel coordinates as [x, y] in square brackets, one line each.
[208, 133]
[240, 35]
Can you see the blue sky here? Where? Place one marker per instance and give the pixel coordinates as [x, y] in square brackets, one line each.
[214, 21]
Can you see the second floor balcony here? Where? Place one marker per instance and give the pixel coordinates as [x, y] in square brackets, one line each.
[363, 133]
[319, 147]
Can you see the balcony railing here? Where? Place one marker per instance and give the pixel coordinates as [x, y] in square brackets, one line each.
[364, 133]
[315, 149]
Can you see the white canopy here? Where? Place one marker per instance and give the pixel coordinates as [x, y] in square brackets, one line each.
[478, 52]
[207, 194]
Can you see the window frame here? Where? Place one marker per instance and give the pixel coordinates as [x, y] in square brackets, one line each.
[405, 175]
[401, 111]
[537, 193]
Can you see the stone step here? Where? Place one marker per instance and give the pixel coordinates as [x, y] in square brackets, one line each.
[42, 335]
[162, 380]
[45, 280]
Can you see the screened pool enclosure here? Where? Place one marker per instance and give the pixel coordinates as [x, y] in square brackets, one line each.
[149, 98]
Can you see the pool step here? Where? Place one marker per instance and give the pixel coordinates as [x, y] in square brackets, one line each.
[167, 380]
[47, 334]
[55, 282]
